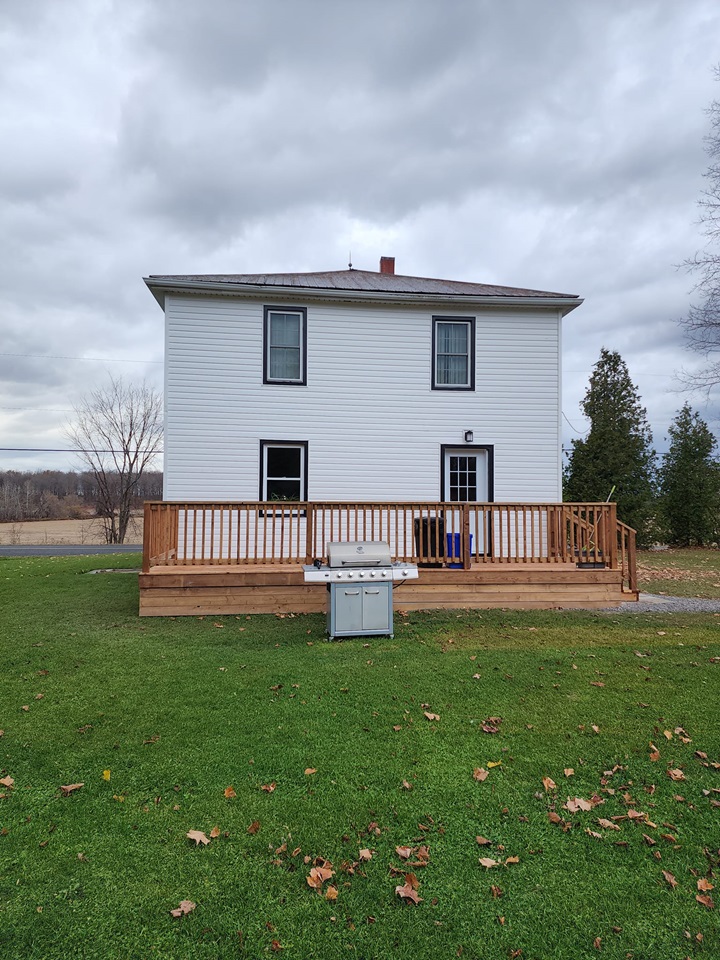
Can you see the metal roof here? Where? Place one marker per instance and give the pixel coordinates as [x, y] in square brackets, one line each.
[360, 280]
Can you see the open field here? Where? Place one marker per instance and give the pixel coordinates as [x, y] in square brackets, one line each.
[54, 532]
[583, 749]
[680, 573]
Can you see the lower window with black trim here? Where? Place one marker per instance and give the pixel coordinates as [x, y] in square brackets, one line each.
[283, 470]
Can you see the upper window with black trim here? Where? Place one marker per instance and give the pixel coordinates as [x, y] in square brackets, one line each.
[453, 359]
[285, 342]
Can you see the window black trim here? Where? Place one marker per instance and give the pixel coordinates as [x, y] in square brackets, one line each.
[284, 443]
[267, 310]
[489, 448]
[448, 386]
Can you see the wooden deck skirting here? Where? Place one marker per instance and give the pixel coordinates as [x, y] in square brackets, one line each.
[234, 558]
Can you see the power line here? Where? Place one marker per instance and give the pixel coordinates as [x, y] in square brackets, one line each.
[580, 433]
[56, 450]
[45, 356]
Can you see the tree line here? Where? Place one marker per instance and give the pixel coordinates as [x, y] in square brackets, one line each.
[63, 494]
[672, 499]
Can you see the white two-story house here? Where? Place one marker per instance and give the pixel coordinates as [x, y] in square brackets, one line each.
[357, 385]
[392, 395]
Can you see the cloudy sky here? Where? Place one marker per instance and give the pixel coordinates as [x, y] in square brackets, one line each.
[554, 144]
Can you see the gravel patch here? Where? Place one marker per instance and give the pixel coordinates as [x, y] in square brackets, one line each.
[653, 603]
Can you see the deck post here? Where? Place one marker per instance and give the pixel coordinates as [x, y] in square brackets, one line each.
[309, 532]
[465, 538]
[611, 536]
[146, 537]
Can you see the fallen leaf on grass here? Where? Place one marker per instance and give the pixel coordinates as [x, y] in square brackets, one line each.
[608, 824]
[309, 771]
[496, 892]
[577, 803]
[406, 892]
[106, 774]
[406, 786]
[276, 946]
[705, 885]
[488, 863]
[706, 900]
[7, 782]
[676, 774]
[198, 836]
[596, 683]
[480, 774]
[268, 787]
[404, 852]
[569, 772]
[431, 716]
[483, 841]
[549, 784]
[229, 793]
[254, 827]
[70, 788]
[365, 854]
[670, 878]
[318, 875]
[186, 906]
[597, 943]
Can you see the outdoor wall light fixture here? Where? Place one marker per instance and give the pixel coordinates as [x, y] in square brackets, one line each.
[468, 436]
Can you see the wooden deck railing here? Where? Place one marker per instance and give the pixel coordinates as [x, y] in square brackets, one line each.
[445, 534]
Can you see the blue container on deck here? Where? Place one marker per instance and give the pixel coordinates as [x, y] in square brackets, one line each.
[453, 548]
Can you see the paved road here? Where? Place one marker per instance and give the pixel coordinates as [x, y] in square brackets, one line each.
[66, 549]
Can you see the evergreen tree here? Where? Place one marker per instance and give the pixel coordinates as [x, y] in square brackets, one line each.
[617, 452]
[690, 482]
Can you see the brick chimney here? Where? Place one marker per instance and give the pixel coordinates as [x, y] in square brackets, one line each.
[387, 264]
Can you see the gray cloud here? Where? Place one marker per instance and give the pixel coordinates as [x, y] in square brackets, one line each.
[552, 145]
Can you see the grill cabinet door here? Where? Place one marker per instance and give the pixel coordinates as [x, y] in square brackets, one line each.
[360, 609]
[375, 607]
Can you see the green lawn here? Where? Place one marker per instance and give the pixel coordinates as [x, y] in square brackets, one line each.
[158, 717]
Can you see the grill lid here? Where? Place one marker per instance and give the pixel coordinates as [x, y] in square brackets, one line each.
[359, 553]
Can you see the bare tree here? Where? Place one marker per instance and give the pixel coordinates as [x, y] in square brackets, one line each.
[117, 431]
[702, 321]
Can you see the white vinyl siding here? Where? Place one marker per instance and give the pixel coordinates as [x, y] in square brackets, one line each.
[372, 421]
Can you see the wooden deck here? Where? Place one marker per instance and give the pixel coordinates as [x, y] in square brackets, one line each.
[242, 558]
[172, 591]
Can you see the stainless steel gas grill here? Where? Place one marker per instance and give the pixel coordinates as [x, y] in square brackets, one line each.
[359, 575]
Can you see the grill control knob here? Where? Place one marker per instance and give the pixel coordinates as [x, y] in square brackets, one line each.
[361, 574]
[406, 573]
[372, 573]
[350, 576]
[384, 573]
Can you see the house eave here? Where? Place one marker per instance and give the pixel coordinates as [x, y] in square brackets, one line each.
[159, 288]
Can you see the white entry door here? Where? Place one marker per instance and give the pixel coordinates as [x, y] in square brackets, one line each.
[466, 479]
[465, 475]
